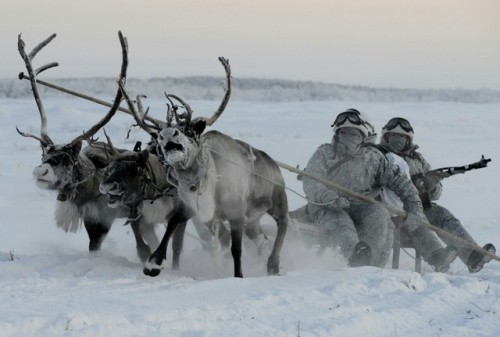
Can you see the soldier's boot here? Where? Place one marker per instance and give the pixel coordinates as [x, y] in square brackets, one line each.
[362, 255]
[442, 259]
[477, 260]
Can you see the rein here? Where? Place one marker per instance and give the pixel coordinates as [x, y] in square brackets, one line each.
[148, 179]
[71, 190]
[251, 170]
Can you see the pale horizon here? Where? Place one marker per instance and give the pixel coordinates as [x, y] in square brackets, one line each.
[441, 44]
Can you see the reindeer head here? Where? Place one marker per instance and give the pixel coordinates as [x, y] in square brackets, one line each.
[123, 180]
[180, 145]
[57, 168]
[180, 142]
[59, 162]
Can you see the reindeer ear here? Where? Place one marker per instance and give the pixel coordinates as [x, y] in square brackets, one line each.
[75, 148]
[137, 146]
[143, 158]
[199, 126]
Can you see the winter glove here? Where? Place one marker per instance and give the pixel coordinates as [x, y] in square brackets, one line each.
[425, 183]
[413, 221]
[339, 203]
[333, 201]
[431, 181]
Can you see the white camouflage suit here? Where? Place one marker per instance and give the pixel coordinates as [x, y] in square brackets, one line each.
[436, 214]
[364, 172]
[425, 241]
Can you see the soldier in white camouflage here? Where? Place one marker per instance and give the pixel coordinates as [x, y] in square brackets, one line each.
[363, 231]
[397, 137]
[425, 241]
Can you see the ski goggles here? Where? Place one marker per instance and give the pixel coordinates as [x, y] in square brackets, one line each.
[350, 115]
[403, 123]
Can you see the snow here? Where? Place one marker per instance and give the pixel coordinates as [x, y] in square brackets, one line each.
[50, 285]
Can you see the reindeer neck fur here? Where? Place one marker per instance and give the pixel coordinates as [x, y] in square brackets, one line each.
[73, 199]
[154, 179]
[85, 183]
[196, 185]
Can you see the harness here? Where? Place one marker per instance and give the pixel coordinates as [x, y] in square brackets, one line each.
[149, 180]
[71, 191]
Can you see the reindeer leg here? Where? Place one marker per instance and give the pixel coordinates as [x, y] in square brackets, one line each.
[280, 214]
[236, 236]
[156, 261]
[177, 243]
[273, 263]
[224, 236]
[254, 232]
[143, 249]
[97, 231]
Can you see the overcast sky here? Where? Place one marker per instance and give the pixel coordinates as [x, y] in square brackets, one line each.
[383, 43]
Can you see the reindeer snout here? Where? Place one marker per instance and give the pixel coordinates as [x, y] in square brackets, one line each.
[109, 188]
[114, 187]
[45, 176]
[40, 171]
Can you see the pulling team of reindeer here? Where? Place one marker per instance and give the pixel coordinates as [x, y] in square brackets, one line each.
[184, 174]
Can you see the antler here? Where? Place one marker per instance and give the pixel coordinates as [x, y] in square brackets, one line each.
[114, 154]
[44, 138]
[118, 97]
[223, 104]
[138, 113]
[187, 116]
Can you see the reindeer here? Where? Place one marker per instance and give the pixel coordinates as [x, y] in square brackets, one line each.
[73, 172]
[136, 180]
[220, 178]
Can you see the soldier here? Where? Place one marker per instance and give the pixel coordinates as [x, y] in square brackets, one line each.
[397, 137]
[362, 230]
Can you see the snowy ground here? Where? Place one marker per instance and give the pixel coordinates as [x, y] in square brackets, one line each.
[51, 286]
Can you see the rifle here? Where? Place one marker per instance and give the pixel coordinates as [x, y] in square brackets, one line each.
[446, 172]
[423, 181]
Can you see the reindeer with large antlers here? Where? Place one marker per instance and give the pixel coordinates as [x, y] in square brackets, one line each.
[220, 178]
[73, 172]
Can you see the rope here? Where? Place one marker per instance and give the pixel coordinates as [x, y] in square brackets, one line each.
[268, 179]
[395, 211]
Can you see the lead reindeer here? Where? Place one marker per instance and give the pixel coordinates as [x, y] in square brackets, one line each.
[73, 173]
[220, 178]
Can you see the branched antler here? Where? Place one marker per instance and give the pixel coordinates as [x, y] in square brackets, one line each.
[114, 155]
[225, 100]
[186, 118]
[170, 114]
[44, 138]
[139, 115]
[116, 103]
[113, 152]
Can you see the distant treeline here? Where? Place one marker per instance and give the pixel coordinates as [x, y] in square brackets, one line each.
[249, 89]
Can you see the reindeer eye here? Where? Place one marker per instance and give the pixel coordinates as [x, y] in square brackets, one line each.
[52, 161]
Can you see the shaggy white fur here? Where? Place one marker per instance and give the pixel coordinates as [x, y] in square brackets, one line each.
[157, 211]
[67, 216]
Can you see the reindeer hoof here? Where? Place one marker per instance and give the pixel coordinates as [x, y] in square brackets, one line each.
[152, 272]
[273, 271]
[273, 268]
